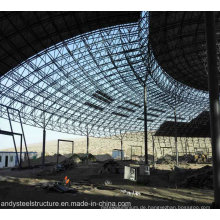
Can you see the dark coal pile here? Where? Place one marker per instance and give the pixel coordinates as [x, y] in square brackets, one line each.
[200, 178]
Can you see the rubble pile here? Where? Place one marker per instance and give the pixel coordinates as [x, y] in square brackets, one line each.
[76, 158]
[209, 160]
[57, 187]
[187, 158]
[167, 159]
[71, 162]
[111, 166]
[91, 158]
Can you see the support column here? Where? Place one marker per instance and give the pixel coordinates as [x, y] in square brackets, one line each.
[25, 144]
[44, 146]
[13, 138]
[186, 144]
[177, 154]
[20, 152]
[121, 148]
[58, 150]
[87, 149]
[214, 102]
[153, 150]
[145, 124]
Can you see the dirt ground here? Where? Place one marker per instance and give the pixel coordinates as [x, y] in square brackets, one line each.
[158, 191]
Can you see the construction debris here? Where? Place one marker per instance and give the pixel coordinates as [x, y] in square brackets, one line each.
[108, 182]
[187, 158]
[167, 159]
[200, 157]
[58, 187]
[130, 193]
[111, 166]
[59, 168]
[76, 158]
[89, 157]
[70, 162]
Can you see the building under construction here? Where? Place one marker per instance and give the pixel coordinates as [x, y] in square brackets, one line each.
[144, 83]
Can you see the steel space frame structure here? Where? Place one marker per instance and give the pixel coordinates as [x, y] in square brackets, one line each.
[97, 82]
[107, 81]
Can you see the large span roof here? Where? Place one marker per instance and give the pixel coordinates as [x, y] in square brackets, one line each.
[197, 127]
[95, 81]
[24, 34]
[179, 45]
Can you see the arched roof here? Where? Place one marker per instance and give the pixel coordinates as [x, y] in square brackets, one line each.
[24, 34]
[92, 81]
[179, 45]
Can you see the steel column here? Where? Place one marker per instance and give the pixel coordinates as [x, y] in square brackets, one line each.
[177, 156]
[44, 146]
[14, 142]
[58, 149]
[25, 144]
[121, 148]
[145, 124]
[186, 145]
[214, 102]
[72, 147]
[153, 150]
[20, 164]
[87, 145]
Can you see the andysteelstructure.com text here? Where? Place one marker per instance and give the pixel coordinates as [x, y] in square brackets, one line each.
[81, 204]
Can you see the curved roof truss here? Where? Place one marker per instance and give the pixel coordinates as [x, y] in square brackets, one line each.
[93, 81]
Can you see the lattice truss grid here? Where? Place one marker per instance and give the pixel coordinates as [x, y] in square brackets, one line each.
[93, 81]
